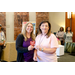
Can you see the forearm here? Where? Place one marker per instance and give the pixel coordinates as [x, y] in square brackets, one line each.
[4, 42]
[22, 49]
[49, 50]
[46, 50]
[35, 52]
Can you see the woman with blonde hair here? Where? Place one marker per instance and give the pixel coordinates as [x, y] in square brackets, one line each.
[25, 51]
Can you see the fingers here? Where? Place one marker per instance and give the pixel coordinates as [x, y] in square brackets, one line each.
[30, 47]
[35, 58]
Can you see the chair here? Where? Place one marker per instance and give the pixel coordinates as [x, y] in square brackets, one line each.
[9, 53]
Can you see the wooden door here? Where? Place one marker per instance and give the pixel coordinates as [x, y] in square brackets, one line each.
[73, 26]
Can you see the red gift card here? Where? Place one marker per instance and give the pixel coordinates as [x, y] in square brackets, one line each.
[32, 43]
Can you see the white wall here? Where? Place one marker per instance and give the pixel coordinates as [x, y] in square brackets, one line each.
[9, 26]
[57, 19]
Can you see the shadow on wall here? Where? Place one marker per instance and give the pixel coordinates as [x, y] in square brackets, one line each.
[55, 28]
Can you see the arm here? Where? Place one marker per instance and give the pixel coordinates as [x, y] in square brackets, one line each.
[57, 34]
[47, 50]
[35, 55]
[72, 34]
[64, 35]
[3, 38]
[19, 43]
[53, 45]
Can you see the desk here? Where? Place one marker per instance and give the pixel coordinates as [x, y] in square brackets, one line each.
[60, 50]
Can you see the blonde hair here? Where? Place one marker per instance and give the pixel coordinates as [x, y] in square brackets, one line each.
[24, 32]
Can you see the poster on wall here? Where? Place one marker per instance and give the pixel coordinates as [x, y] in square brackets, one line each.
[34, 25]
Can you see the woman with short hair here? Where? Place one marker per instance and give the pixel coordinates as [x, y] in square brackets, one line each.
[45, 44]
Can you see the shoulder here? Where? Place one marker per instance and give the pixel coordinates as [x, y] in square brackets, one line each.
[38, 36]
[72, 32]
[2, 32]
[52, 35]
[65, 33]
[20, 36]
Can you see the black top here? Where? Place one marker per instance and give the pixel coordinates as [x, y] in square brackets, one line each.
[20, 49]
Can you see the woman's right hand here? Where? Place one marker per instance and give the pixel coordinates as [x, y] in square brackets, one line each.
[35, 58]
[30, 47]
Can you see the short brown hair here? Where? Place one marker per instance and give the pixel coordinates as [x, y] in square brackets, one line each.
[49, 31]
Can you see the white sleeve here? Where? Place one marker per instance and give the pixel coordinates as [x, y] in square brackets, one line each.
[4, 36]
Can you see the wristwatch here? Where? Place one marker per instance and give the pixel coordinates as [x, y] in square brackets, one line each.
[42, 50]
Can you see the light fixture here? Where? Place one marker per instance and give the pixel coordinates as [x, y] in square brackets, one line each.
[73, 12]
[68, 15]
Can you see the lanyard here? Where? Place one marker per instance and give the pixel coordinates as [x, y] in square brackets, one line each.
[41, 39]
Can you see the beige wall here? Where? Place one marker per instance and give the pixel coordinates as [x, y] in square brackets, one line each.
[32, 16]
[57, 19]
[9, 26]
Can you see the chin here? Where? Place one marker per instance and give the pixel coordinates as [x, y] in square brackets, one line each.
[29, 32]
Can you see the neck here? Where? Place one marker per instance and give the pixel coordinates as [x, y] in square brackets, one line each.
[28, 35]
[68, 31]
[44, 33]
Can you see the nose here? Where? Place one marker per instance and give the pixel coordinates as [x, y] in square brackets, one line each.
[44, 27]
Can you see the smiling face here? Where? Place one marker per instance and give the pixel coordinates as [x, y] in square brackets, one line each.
[29, 28]
[68, 29]
[44, 28]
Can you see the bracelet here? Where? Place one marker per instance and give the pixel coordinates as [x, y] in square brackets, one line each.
[42, 50]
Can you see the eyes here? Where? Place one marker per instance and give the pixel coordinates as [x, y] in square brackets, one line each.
[30, 26]
[44, 25]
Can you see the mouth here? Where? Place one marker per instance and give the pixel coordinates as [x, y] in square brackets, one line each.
[44, 29]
